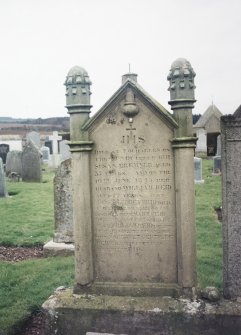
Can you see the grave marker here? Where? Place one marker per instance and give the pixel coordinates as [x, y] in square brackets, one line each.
[3, 186]
[31, 163]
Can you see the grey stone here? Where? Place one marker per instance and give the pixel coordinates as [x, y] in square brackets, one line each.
[4, 149]
[58, 249]
[14, 162]
[3, 186]
[217, 167]
[198, 170]
[63, 203]
[72, 314]
[211, 293]
[31, 163]
[34, 137]
[231, 207]
[218, 146]
[64, 150]
[45, 154]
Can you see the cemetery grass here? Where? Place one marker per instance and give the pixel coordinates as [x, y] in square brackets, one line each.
[27, 220]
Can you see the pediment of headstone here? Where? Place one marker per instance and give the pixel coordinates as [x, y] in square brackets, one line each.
[128, 103]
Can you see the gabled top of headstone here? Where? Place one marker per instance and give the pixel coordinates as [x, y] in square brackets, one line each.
[237, 113]
[129, 90]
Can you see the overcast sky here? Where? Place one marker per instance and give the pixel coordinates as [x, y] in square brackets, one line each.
[42, 39]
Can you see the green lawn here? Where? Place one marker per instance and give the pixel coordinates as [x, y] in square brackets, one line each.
[27, 220]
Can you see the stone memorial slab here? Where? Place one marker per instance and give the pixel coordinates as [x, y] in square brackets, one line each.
[231, 207]
[14, 162]
[34, 137]
[64, 150]
[63, 203]
[4, 149]
[198, 171]
[31, 163]
[217, 165]
[45, 154]
[3, 186]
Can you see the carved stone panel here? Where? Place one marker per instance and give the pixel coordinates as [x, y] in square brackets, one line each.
[133, 197]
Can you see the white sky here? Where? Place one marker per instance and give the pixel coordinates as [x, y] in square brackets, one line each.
[42, 39]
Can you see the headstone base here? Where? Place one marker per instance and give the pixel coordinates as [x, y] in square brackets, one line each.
[58, 249]
[72, 314]
[199, 181]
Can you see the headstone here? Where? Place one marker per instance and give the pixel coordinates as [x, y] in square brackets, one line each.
[198, 170]
[14, 162]
[55, 157]
[125, 203]
[231, 206]
[3, 187]
[45, 154]
[64, 150]
[34, 137]
[217, 165]
[31, 163]
[218, 146]
[63, 203]
[4, 149]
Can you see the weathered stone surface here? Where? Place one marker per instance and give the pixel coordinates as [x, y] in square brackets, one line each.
[231, 208]
[14, 162]
[34, 136]
[198, 170]
[45, 154]
[31, 163]
[64, 150]
[73, 314]
[210, 293]
[63, 203]
[58, 249]
[217, 166]
[3, 186]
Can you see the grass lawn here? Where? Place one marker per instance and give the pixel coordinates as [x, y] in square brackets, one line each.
[27, 220]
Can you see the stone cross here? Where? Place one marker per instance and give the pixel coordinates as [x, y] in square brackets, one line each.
[55, 139]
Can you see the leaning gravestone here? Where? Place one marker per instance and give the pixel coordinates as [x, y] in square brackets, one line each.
[31, 163]
[231, 208]
[3, 187]
[63, 203]
[14, 162]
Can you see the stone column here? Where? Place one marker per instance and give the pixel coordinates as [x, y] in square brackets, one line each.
[78, 104]
[231, 207]
[181, 78]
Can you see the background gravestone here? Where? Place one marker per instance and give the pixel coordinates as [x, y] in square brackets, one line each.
[34, 137]
[217, 167]
[4, 149]
[198, 170]
[31, 163]
[231, 206]
[14, 162]
[63, 203]
[45, 154]
[64, 150]
[3, 187]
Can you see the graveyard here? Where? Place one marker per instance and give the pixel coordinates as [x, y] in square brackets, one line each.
[154, 230]
[27, 284]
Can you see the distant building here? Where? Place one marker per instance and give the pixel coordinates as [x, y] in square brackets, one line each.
[207, 129]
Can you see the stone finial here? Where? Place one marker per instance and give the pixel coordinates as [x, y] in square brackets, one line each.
[129, 76]
[181, 78]
[77, 87]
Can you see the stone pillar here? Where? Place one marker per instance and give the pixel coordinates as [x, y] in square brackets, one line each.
[78, 104]
[231, 207]
[181, 78]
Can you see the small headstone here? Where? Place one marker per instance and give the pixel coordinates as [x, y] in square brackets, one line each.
[31, 163]
[35, 137]
[218, 146]
[14, 162]
[64, 150]
[55, 140]
[4, 149]
[63, 203]
[3, 187]
[45, 154]
[217, 165]
[198, 170]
